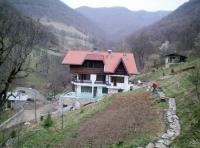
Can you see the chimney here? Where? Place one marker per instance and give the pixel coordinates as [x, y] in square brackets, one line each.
[109, 51]
[95, 49]
[124, 54]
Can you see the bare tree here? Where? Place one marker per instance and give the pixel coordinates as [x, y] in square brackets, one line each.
[141, 47]
[197, 44]
[18, 36]
[58, 75]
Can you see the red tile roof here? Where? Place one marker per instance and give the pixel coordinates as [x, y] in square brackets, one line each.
[111, 61]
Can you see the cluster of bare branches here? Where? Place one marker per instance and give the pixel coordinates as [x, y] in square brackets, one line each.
[18, 36]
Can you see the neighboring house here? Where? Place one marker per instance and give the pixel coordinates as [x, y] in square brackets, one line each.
[97, 73]
[174, 59]
[16, 96]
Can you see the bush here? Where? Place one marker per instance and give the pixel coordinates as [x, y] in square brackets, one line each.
[48, 122]
[163, 74]
[41, 118]
[13, 134]
[172, 70]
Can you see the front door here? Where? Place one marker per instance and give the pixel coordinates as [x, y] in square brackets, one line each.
[115, 81]
[95, 92]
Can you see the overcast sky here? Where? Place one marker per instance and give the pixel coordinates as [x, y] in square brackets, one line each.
[149, 5]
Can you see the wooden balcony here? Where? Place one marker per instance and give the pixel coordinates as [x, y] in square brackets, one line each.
[83, 70]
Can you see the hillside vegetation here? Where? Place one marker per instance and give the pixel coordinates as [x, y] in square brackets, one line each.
[122, 120]
[71, 27]
[176, 32]
[180, 87]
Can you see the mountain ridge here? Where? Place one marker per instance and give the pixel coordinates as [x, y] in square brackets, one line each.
[115, 21]
[56, 14]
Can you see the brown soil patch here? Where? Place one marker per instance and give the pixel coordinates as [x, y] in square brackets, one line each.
[128, 113]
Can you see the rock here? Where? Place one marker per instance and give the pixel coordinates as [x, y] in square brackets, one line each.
[77, 105]
[27, 123]
[170, 119]
[160, 145]
[160, 141]
[165, 136]
[174, 127]
[170, 133]
[150, 145]
[9, 142]
[167, 142]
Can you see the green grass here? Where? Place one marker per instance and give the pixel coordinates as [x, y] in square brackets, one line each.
[55, 135]
[159, 104]
[5, 115]
[137, 139]
[188, 109]
[34, 79]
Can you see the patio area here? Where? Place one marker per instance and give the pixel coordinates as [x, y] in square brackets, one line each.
[71, 97]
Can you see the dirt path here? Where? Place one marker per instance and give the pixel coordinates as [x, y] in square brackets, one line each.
[128, 113]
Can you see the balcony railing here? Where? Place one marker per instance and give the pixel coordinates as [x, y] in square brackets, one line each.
[101, 82]
[82, 81]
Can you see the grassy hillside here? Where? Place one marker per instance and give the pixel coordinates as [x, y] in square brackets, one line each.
[180, 87]
[122, 120]
[72, 29]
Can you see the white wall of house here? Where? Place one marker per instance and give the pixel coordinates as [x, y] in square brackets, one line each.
[93, 77]
[111, 88]
[112, 91]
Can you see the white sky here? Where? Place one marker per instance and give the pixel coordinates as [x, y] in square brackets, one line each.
[149, 5]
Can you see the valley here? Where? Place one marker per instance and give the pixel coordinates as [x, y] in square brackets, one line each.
[99, 76]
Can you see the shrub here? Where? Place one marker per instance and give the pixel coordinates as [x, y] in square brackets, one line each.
[163, 74]
[13, 134]
[41, 118]
[172, 70]
[194, 78]
[82, 111]
[48, 122]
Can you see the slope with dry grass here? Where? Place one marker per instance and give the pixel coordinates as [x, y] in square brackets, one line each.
[129, 120]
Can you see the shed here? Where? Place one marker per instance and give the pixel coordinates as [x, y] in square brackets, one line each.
[174, 58]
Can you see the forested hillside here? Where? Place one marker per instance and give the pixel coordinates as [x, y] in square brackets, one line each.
[118, 22]
[176, 32]
[18, 37]
[72, 29]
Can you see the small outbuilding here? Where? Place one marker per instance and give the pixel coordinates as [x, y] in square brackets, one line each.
[174, 59]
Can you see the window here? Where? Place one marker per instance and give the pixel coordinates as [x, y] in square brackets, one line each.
[101, 78]
[117, 79]
[84, 77]
[86, 89]
[105, 90]
[93, 64]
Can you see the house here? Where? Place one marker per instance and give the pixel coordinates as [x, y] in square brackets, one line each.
[14, 97]
[174, 59]
[96, 73]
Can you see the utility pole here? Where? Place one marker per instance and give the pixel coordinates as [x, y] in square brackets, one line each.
[35, 107]
[62, 112]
